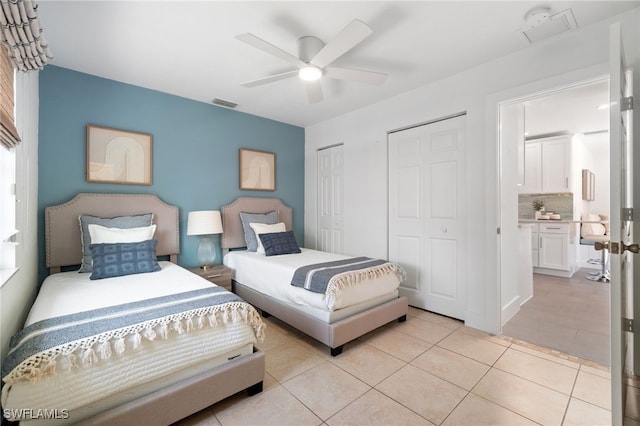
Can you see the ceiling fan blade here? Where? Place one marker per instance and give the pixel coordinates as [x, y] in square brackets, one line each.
[269, 48]
[314, 91]
[369, 77]
[269, 79]
[346, 40]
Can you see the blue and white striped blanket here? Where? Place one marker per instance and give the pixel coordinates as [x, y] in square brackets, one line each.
[94, 335]
[331, 278]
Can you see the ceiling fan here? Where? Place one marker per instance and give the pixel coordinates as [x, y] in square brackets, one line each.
[315, 58]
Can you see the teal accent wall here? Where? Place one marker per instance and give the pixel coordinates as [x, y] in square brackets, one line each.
[195, 148]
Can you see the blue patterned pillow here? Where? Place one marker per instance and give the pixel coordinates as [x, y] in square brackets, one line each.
[279, 243]
[134, 221]
[247, 219]
[118, 259]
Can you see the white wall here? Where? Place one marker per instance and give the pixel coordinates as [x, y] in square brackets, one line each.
[363, 133]
[17, 294]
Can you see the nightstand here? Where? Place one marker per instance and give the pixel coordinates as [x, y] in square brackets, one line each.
[218, 274]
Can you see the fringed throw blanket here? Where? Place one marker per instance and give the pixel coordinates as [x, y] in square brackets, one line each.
[88, 337]
[331, 277]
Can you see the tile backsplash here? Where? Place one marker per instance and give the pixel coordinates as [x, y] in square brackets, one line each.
[561, 203]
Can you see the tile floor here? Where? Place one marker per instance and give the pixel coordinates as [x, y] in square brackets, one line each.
[570, 315]
[427, 370]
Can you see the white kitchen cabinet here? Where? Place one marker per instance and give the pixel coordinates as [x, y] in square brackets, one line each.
[551, 249]
[535, 245]
[547, 165]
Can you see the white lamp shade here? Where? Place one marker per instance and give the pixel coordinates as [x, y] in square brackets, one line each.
[204, 222]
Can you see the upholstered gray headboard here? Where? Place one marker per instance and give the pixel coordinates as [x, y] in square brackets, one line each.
[62, 229]
[233, 234]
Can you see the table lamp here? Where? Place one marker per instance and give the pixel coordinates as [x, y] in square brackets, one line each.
[205, 223]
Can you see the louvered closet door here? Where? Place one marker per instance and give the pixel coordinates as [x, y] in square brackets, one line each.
[330, 181]
[427, 233]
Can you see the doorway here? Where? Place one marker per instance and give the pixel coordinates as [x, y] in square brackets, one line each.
[554, 312]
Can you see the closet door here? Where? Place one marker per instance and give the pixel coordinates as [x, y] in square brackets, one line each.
[330, 181]
[427, 231]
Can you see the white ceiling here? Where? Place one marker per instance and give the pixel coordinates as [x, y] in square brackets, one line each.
[573, 110]
[189, 48]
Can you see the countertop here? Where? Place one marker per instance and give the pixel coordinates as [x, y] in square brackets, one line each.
[548, 221]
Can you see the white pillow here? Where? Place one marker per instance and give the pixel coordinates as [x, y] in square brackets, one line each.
[264, 228]
[103, 235]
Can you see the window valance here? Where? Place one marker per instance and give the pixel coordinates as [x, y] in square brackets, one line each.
[22, 34]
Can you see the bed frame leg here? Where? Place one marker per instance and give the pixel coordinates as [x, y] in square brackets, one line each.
[265, 314]
[336, 351]
[402, 318]
[254, 389]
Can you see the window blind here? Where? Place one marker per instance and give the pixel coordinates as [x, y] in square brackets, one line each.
[8, 133]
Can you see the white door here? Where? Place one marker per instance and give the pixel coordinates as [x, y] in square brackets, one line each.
[330, 180]
[427, 233]
[621, 225]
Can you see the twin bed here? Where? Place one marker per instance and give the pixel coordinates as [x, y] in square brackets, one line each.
[142, 363]
[153, 348]
[265, 283]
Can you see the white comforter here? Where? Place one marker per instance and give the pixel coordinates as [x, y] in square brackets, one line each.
[272, 275]
[144, 368]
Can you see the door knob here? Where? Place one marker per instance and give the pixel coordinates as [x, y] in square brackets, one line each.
[633, 248]
[601, 245]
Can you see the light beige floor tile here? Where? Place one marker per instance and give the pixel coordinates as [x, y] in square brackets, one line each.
[593, 389]
[326, 389]
[451, 323]
[500, 340]
[545, 355]
[473, 347]
[582, 413]
[269, 381]
[477, 411]
[318, 348]
[602, 372]
[398, 344]
[533, 401]
[201, 418]
[538, 370]
[285, 362]
[427, 395]
[423, 330]
[274, 336]
[369, 364]
[452, 367]
[273, 407]
[374, 408]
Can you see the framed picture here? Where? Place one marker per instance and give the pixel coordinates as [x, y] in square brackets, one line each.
[588, 185]
[118, 156]
[257, 170]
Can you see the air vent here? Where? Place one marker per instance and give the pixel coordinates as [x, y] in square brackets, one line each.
[223, 103]
[541, 24]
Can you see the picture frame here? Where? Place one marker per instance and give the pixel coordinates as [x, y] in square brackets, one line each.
[588, 185]
[119, 156]
[257, 170]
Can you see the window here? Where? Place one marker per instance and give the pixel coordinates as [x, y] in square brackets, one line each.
[8, 141]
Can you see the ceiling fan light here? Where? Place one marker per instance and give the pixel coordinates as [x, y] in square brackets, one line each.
[310, 73]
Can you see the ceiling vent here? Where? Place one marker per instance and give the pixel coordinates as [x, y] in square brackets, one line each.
[541, 24]
[223, 103]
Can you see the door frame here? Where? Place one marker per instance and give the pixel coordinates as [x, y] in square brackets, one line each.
[493, 163]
